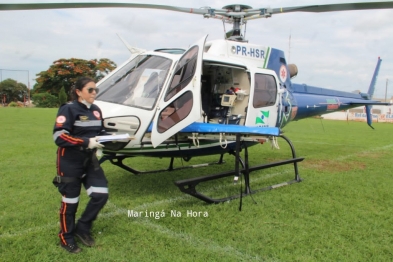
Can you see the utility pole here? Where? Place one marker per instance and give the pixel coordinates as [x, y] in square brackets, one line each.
[28, 85]
[386, 90]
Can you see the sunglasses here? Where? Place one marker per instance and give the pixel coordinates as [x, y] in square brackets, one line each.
[91, 89]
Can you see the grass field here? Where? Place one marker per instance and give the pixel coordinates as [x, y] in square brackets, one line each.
[342, 211]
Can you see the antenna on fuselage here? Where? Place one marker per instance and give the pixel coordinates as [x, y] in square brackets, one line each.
[133, 50]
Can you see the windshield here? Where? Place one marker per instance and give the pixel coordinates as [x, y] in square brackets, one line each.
[138, 83]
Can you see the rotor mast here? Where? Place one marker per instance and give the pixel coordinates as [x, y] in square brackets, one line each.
[236, 14]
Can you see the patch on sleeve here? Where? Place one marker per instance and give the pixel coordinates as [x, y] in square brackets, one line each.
[97, 114]
[60, 120]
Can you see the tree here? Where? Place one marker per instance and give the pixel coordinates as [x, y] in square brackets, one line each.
[65, 72]
[12, 90]
[62, 96]
[45, 100]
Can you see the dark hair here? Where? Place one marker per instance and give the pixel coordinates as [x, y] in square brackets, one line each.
[80, 83]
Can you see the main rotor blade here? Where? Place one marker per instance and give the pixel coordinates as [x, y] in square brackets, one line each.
[206, 11]
[38, 6]
[333, 7]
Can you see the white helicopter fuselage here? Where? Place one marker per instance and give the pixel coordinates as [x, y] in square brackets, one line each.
[228, 83]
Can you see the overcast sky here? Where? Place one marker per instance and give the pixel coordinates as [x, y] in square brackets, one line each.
[336, 50]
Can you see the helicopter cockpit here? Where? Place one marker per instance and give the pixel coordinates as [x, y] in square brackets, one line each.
[138, 83]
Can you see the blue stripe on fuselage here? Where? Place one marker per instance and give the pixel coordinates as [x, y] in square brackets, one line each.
[197, 127]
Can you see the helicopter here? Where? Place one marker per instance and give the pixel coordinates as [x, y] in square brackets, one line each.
[216, 97]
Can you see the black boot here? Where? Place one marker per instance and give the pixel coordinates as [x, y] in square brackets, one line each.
[72, 248]
[85, 237]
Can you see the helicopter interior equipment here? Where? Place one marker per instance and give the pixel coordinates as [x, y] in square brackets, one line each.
[217, 97]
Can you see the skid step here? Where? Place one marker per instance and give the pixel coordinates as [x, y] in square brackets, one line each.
[197, 180]
[188, 186]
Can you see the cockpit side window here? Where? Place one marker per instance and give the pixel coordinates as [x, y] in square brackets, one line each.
[265, 91]
[184, 71]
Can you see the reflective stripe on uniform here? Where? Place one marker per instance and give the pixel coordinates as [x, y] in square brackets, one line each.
[93, 189]
[58, 133]
[88, 123]
[70, 200]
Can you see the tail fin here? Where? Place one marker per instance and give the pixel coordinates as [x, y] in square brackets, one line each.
[369, 116]
[370, 93]
[371, 89]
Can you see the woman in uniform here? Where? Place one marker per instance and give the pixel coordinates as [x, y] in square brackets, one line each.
[77, 126]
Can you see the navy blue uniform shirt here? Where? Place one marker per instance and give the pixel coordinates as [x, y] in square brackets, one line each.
[76, 123]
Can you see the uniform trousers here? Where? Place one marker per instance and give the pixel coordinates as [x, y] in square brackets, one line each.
[83, 168]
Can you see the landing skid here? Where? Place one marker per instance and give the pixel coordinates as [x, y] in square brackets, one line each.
[188, 186]
[118, 161]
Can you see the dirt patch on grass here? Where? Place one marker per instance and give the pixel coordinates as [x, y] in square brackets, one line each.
[332, 165]
[373, 155]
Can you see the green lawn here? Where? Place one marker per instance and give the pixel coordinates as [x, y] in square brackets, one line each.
[342, 211]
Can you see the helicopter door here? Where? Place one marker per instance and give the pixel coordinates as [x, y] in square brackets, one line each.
[180, 106]
[263, 102]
